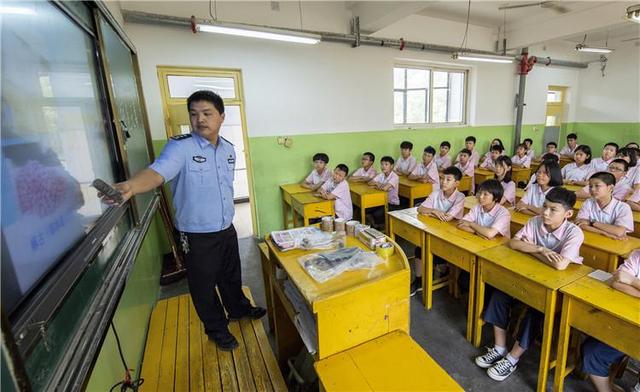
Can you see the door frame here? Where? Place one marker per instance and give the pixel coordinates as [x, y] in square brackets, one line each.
[169, 70]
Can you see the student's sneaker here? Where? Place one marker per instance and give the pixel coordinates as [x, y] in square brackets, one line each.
[416, 286]
[636, 388]
[501, 370]
[489, 359]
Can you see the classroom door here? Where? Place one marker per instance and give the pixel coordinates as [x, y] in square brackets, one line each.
[555, 114]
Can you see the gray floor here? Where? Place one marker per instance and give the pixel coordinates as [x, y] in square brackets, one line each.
[439, 331]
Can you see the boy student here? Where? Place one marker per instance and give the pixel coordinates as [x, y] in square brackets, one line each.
[598, 357]
[336, 188]
[579, 171]
[547, 177]
[494, 142]
[530, 153]
[608, 154]
[427, 171]
[602, 213]
[551, 149]
[553, 240]
[469, 145]
[465, 165]
[490, 163]
[367, 172]
[488, 218]
[521, 159]
[503, 174]
[387, 181]
[623, 187]
[570, 148]
[319, 174]
[442, 160]
[406, 162]
[631, 156]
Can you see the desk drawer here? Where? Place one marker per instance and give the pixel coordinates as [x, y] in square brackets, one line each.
[408, 232]
[595, 258]
[515, 285]
[318, 210]
[456, 256]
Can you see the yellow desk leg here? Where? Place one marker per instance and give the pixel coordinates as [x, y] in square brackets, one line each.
[563, 346]
[392, 235]
[472, 296]
[477, 328]
[306, 220]
[411, 198]
[386, 218]
[363, 212]
[612, 263]
[285, 214]
[545, 349]
[427, 272]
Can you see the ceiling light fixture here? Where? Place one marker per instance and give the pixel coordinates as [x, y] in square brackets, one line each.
[633, 13]
[6, 9]
[593, 49]
[483, 58]
[259, 32]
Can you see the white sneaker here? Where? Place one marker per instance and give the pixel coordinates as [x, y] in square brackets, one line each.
[636, 388]
[501, 370]
[489, 358]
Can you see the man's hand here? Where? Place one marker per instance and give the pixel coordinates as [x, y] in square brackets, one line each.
[125, 190]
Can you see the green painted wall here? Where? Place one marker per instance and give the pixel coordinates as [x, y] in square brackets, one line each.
[132, 315]
[595, 135]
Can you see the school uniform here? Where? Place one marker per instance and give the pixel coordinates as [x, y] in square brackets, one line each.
[598, 357]
[635, 196]
[553, 153]
[616, 213]
[531, 154]
[621, 190]
[442, 162]
[406, 165]
[488, 164]
[314, 178]
[392, 193]
[452, 205]
[565, 240]
[487, 155]
[430, 172]
[568, 151]
[474, 158]
[468, 170]
[534, 195]
[361, 172]
[525, 161]
[634, 175]
[342, 204]
[509, 191]
[600, 164]
[573, 172]
[498, 218]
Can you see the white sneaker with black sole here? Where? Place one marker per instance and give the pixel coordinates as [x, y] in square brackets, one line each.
[416, 286]
[489, 358]
[501, 370]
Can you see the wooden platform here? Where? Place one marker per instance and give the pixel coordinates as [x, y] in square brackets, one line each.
[179, 356]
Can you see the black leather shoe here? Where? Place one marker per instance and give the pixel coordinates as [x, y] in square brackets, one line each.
[254, 313]
[224, 340]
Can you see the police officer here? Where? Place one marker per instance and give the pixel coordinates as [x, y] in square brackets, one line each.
[201, 166]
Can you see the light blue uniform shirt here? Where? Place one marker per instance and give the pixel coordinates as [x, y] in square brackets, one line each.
[201, 176]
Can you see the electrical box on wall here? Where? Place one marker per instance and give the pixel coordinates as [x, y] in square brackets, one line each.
[285, 141]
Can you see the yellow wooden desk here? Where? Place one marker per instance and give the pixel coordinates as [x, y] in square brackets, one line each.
[598, 251]
[465, 184]
[519, 174]
[530, 281]
[480, 175]
[598, 310]
[636, 224]
[287, 191]
[393, 362]
[310, 206]
[410, 189]
[364, 196]
[350, 309]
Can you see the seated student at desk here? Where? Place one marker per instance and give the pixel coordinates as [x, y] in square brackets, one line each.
[548, 176]
[572, 143]
[319, 174]
[488, 218]
[609, 152]
[442, 160]
[503, 175]
[622, 189]
[466, 166]
[545, 157]
[521, 159]
[551, 149]
[469, 145]
[553, 240]
[336, 188]
[602, 213]
[631, 156]
[579, 171]
[598, 357]
[634, 201]
[530, 151]
[427, 171]
[366, 172]
[494, 142]
[387, 181]
[490, 162]
[406, 162]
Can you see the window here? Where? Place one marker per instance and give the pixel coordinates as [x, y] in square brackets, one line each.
[428, 96]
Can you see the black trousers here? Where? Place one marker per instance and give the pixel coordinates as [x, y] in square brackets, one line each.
[213, 260]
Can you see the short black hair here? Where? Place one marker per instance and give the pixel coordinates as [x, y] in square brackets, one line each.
[562, 196]
[343, 168]
[622, 162]
[553, 144]
[612, 144]
[528, 140]
[387, 159]
[550, 157]
[499, 142]
[492, 186]
[453, 171]
[587, 150]
[372, 157]
[446, 144]
[572, 136]
[470, 139]
[497, 147]
[465, 151]
[406, 145]
[630, 152]
[206, 95]
[430, 150]
[321, 156]
[554, 172]
[523, 146]
[503, 159]
[605, 177]
[634, 144]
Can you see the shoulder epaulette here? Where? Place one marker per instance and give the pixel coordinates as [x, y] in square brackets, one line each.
[181, 137]
[226, 140]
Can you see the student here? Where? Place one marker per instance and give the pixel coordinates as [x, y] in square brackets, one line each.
[631, 156]
[521, 159]
[545, 157]
[632, 145]
[442, 160]
[427, 171]
[490, 163]
[551, 149]
[553, 240]
[387, 181]
[602, 213]
[336, 188]
[474, 156]
[634, 200]
[598, 357]
[494, 142]
[547, 177]
[623, 187]
[465, 165]
[367, 172]
[406, 162]
[608, 154]
[503, 174]
[319, 174]
[488, 218]
[572, 143]
[579, 171]
[530, 152]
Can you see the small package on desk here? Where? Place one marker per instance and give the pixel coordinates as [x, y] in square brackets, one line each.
[327, 265]
[371, 238]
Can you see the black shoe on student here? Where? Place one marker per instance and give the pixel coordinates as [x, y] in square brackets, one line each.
[416, 286]
[254, 313]
[224, 340]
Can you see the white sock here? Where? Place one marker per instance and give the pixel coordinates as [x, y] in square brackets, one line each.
[500, 349]
[513, 361]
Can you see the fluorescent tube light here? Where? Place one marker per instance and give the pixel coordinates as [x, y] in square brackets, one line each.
[483, 58]
[633, 13]
[258, 32]
[6, 9]
[592, 49]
